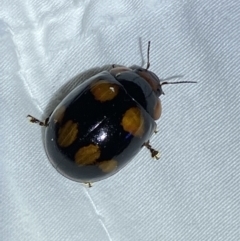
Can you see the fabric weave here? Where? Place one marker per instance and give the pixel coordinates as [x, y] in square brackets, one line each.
[193, 191]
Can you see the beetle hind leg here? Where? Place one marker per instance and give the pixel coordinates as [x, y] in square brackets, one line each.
[88, 184]
[154, 153]
[36, 121]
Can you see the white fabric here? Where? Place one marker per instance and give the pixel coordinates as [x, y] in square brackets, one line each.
[193, 191]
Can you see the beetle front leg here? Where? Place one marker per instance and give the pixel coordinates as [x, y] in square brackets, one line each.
[36, 121]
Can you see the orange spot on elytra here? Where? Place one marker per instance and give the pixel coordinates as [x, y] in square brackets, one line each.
[133, 122]
[67, 134]
[108, 166]
[104, 90]
[87, 155]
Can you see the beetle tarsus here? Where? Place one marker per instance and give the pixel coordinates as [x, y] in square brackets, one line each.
[36, 121]
[154, 153]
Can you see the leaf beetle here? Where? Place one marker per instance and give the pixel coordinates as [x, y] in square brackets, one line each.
[103, 123]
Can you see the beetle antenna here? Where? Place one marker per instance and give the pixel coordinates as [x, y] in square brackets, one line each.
[178, 82]
[175, 82]
[148, 52]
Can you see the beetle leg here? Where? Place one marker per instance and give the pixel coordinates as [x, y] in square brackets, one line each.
[89, 184]
[36, 121]
[155, 131]
[154, 152]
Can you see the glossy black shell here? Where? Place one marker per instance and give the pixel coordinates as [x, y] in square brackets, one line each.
[84, 122]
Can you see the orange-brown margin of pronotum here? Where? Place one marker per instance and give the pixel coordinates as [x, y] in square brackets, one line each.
[157, 112]
[118, 70]
[146, 76]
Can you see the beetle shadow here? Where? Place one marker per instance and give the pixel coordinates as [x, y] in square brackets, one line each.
[141, 51]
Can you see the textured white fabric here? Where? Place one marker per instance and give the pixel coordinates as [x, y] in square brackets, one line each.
[193, 191]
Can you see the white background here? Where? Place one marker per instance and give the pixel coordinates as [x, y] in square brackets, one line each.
[193, 191]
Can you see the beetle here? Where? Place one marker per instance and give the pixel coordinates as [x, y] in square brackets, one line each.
[104, 122]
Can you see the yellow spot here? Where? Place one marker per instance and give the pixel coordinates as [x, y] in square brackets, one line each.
[59, 114]
[67, 134]
[108, 166]
[87, 155]
[104, 90]
[132, 122]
